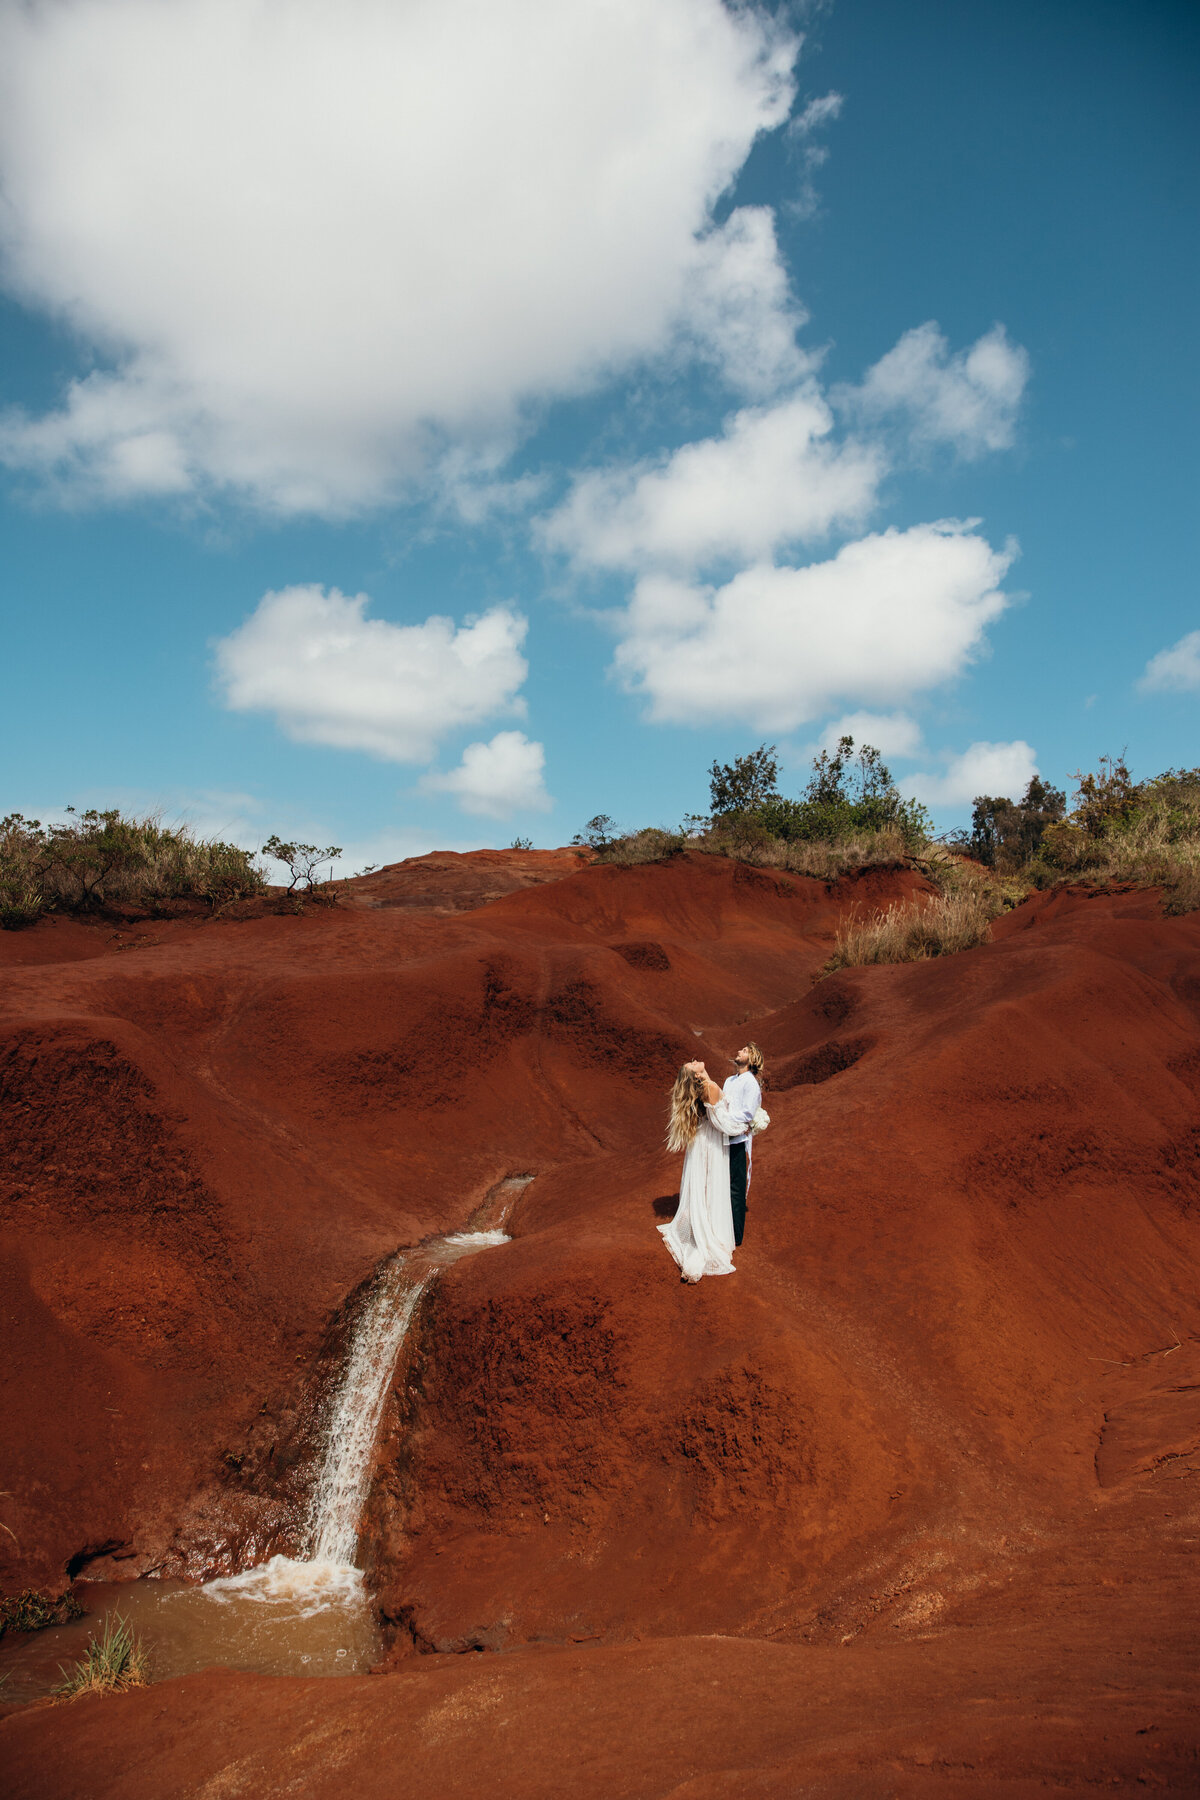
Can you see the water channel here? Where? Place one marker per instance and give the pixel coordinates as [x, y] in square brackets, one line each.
[307, 1615]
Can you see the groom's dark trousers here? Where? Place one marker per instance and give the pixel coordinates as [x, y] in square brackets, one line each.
[737, 1188]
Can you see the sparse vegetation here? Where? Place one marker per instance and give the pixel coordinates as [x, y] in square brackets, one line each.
[959, 918]
[650, 845]
[113, 1662]
[825, 859]
[1119, 830]
[849, 796]
[1008, 834]
[745, 784]
[98, 859]
[31, 1611]
[597, 834]
[851, 816]
[302, 862]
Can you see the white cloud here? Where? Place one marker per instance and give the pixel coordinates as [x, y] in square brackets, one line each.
[739, 313]
[967, 399]
[816, 114]
[1175, 670]
[330, 675]
[315, 240]
[888, 618]
[893, 734]
[775, 476]
[498, 779]
[980, 769]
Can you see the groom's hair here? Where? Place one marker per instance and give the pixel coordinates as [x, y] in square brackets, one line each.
[756, 1065]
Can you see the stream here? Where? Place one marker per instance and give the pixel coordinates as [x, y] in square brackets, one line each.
[308, 1615]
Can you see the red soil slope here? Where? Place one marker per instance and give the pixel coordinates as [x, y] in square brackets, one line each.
[930, 1448]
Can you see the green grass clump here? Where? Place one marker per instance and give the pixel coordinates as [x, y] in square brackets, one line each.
[98, 859]
[113, 1662]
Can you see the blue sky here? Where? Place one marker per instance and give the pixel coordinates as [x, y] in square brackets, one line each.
[668, 380]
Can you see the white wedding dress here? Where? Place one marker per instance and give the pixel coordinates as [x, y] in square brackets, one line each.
[700, 1236]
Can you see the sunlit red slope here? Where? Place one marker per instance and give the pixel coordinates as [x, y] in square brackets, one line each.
[212, 1131]
[906, 1506]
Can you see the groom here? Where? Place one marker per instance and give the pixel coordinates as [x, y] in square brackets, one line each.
[743, 1096]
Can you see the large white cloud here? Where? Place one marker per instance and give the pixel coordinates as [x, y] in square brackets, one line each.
[774, 476]
[1174, 670]
[888, 618]
[312, 240]
[329, 675]
[980, 769]
[498, 779]
[967, 398]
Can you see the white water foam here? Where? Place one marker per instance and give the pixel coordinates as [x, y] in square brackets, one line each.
[300, 1588]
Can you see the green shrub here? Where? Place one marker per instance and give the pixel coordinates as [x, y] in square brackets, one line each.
[303, 861]
[110, 1664]
[1008, 834]
[746, 783]
[851, 816]
[101, 858]
[850, 794]
[597, 834]
[650, 845]
[1118, 830]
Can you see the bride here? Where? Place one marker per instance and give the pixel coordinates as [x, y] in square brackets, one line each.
[700, 1236]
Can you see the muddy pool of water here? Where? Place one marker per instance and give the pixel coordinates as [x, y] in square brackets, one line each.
[286, 1618]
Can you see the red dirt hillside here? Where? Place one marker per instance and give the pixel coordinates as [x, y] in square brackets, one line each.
[907, 1506]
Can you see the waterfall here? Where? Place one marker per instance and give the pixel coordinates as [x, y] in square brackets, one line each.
[379, 1332]
[341, 1490]
[326, 1575]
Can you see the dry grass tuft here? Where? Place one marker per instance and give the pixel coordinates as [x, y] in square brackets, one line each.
[1150, 851]
[939, 925]
[824, 859]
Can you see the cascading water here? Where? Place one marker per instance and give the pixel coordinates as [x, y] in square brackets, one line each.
[310, 1614]
[327, 1575]
[341, 1489]
[292, 1615]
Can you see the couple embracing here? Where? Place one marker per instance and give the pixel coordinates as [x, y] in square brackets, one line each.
[714, 1127]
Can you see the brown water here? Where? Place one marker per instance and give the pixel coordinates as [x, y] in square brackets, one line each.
[284, 1618]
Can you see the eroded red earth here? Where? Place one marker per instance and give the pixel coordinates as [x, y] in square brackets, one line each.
[909, 1505]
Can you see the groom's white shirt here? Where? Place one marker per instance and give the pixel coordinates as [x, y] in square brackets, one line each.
[743, 1096]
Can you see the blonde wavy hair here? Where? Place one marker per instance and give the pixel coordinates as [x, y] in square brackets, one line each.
[686, 1109]
[758, 1067]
